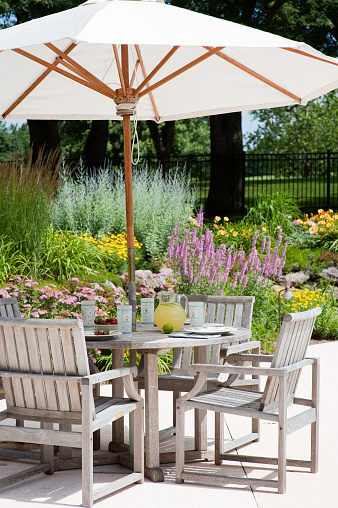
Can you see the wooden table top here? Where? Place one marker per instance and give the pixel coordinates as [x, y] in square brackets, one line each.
[153, 338]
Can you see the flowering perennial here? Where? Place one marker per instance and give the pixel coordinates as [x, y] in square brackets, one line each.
[319, 224]
[201, 267]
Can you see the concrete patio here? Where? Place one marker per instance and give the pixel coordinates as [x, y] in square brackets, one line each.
[303, 489]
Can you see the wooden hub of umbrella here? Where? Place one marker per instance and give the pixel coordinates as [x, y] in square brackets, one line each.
[125, 101]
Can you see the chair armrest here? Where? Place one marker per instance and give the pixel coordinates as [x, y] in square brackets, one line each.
[234, 357]
[226, 369]
[237, 348]
[108, 375]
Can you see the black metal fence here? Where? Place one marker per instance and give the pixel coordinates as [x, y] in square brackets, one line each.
[311, 178]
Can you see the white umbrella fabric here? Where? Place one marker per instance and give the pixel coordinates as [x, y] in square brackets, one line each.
[108, 59]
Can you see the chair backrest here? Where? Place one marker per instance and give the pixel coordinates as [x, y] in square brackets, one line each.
[292, 344]
[42, 346]
[230, 310]
[9, 307]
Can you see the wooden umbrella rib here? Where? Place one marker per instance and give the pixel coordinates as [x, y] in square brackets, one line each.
[119, 69]
[105, 90]
[303, 53]
[157, 68]
[63, 73]
[34, 85]
[257, 76]
[79, 69]
[181, 70]
[133, 77]
[144, 72]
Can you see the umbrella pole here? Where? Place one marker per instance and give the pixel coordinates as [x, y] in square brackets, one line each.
[128, 176]
[130, 215]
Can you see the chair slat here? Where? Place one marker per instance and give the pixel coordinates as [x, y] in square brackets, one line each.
[71, 369]
[46, 367]
[24, 365]
[6, 383]
[13, 364]
[220, 313]
[34, 359]
[229, 315]
[239, 309]
[80, 351]
[59, 368]
[211, 313]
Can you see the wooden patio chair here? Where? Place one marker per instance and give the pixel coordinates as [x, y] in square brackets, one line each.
[9, 307]
[270, 405]
[230, 310]
[45, 373]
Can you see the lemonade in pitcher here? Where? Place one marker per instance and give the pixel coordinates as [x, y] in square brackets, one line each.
[170, 311]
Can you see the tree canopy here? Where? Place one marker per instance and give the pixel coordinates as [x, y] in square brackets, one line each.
[296, 129]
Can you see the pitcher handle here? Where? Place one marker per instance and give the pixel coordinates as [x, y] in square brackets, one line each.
[186, 308]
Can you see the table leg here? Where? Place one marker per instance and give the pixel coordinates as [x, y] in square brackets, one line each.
[117, 391]
[200, 356]
[152, 443]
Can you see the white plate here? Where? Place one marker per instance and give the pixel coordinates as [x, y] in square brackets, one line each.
[210, 330]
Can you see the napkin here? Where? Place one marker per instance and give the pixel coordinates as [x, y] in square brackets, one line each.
[183, 335]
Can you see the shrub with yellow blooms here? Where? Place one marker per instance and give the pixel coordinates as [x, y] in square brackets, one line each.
[113, 248]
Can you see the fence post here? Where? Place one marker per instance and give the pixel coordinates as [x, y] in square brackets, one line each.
[243, 183]
[328, 179]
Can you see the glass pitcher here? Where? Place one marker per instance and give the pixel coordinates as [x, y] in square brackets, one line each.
[170, 310]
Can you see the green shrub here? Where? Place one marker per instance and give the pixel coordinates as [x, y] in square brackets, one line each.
[96, 205]
[64, 255]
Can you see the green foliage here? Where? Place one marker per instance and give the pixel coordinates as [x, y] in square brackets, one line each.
[274, 210]
[294, 129]
[297, 258]
[12, 261]
[27, 192]
[13, 139]
[64, 255]
[96, 205]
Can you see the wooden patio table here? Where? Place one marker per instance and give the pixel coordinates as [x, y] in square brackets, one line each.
[151, 342]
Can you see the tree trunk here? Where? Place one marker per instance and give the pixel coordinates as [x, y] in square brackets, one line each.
[44, 136]
[96, 144]
[163, 140]
[227, 166]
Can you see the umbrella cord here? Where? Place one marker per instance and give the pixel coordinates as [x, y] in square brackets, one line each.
[135, 137]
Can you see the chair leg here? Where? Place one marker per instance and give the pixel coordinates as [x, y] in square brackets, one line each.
[65, 451]
[282, 433]
[180, 415]
[176, 395]
[138, 442]
[219, 437]
[314, 425]
[47, 451]
[87, 449]
[255, 429]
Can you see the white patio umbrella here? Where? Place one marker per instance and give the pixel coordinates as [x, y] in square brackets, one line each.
[107, 59]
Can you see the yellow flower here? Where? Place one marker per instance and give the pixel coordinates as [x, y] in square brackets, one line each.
[226, 219]
[263, 228]
[235, 233]
[217, 219]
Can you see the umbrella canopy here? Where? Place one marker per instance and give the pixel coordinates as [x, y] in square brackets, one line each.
[182, 64]
[109, 58]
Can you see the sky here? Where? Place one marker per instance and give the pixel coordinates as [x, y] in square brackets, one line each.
[248, 123]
